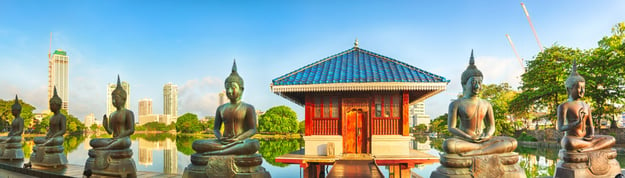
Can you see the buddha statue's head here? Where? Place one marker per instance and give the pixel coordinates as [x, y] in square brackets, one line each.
[471, 79]
[575, 84]
[55, 102]
[234, 85]
[119, 95]
[16, 109]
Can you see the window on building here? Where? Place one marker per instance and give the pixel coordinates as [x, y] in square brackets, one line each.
[387, 106]
[326, 107]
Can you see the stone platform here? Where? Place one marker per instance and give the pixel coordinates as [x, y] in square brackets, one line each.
[594, 164]
[236, 166]
[486, 166]
[68, 171]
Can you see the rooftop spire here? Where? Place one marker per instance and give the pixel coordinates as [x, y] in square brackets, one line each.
[356, 43]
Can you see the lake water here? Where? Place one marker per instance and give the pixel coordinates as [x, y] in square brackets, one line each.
[170, 153]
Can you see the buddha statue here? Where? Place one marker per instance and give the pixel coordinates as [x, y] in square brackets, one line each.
[474, 149]
[11, 145]
[113, 156]
[234, 146]
[581, 148]
[48, 150]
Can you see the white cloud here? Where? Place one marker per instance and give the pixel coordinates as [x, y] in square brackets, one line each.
[200, 96]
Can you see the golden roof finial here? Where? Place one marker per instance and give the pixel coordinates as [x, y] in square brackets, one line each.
[356, 43]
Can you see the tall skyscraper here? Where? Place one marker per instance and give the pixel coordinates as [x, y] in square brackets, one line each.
[58, 76]
[145, 107]
[222, 98]
[89, 120]
[109, 97]
[417, 113]
[170, 100]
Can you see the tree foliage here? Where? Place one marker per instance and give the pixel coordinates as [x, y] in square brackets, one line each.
[155, 126]
[279, 119]
[6, 116]
[188, 123]
[73, 124]
[439, 125]
[499, 96]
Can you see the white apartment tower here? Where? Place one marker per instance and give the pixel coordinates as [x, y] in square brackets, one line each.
[145, 107]
[58, 76]
[109, 97]
[89, 120]
[170, 100]
[418, 116]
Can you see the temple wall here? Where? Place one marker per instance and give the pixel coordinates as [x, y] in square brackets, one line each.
[317, 145]
[390, 145]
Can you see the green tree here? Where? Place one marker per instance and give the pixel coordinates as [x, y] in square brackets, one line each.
[42, 126]
[543, 82]
[439, 125]
[421, 128]
[188, 123]
[94, 127]
[279, 119]
[155, 126]
[499, 97]
[302, 127]
[74, 125]
[604, 77]
[6, 116]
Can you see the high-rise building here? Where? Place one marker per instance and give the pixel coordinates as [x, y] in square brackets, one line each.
[109, 96]
[222, 98]
[89, 120]
[58, 76]
[170, 100]
[145, 107]
[418, 116]
[170, 157]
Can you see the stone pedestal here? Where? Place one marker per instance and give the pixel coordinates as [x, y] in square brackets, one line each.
[485, 166]
[594, 164]
[111, 163]
[49, 156]
[11, 151]
[239, 166]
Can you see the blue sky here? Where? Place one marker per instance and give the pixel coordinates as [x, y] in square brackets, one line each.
[192, 43]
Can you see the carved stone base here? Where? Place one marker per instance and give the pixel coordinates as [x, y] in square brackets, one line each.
[48, 156]
[594, 164]
[11, 151]
[496, 165]
[111, 163]
[242, 166]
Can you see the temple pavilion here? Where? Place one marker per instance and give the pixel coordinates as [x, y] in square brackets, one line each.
[356, 103]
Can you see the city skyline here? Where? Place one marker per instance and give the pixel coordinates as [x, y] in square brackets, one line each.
[58, 76]
[193, 44]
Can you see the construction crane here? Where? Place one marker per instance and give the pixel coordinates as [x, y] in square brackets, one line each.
[532, 26]
[515, 52]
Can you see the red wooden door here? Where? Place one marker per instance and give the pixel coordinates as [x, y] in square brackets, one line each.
[349, 136]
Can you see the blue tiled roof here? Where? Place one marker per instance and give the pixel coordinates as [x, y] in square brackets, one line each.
[357, 65]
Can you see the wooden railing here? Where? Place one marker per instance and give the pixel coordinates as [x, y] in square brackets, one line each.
[386, 126]
[325, 126]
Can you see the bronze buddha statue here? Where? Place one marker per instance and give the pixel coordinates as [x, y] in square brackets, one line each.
[113, 156]
[474, 114]
[232, 152]
[474, 151]
[48, 150]
[11, 145]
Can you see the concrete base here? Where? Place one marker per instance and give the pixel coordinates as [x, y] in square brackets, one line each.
[595, 164]
[317, 145]
[48, 156]
[111, 163]
[390, 145]
[486, 166]
[242, 166]
[11, 151]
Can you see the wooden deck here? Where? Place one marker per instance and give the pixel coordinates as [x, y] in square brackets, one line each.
[69, 170]
[354, 168]
[415, 157]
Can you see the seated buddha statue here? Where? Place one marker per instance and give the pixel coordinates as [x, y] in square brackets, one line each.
[11, 145]
[17, 126]
[48, 150]
[575, 119]
[121, 124]
[239, 120]
[57, 124]
[113, 156]
[232, 152]
[473, 133]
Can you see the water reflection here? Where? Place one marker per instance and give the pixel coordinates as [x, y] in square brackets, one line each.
[149, 143]
[272, 148]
